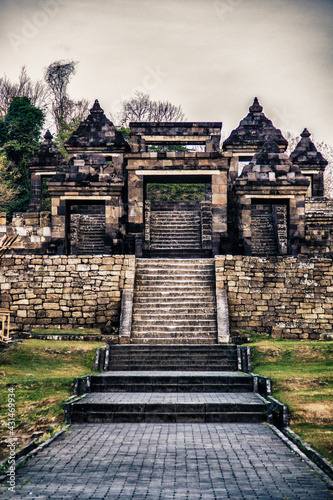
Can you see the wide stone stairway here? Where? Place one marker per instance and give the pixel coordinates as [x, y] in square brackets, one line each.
[170, 384]
[173, 369]
[174, 302]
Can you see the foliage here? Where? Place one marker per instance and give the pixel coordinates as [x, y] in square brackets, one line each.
[141, 108]
[302, 378]
[176, 192]
[20, 134]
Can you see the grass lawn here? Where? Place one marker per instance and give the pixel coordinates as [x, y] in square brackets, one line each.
[42, 373]
[302, 376]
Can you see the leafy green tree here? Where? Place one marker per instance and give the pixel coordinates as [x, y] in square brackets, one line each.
[19, 139]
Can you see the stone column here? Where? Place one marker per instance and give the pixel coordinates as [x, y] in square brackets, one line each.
[135, 202]
[219, 203]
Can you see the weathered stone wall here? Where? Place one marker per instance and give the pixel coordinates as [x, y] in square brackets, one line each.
[65, 291]
[284, 296]
[319, 225]
[32, 231]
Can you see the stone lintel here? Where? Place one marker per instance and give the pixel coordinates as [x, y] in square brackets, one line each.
[177, 172]
[194, 139]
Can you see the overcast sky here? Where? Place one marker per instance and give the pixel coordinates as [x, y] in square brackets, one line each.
[211, 56]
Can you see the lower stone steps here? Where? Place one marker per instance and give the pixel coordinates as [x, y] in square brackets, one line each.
[166, 355]
[169, 407]
[171, 381]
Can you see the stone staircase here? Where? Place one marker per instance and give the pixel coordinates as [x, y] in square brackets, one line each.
[264, 240]
[91, 234]
[175, 230]
[174, 302]
[134, 391]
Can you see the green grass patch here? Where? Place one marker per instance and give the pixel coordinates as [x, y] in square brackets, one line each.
[176, 192]
[302, 378]
[72, 331]
[42, 373]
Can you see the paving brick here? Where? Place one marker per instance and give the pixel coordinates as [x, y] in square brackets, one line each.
[161, 461]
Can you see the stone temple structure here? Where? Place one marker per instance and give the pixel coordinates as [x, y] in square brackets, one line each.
[258, 201]
[96, 249]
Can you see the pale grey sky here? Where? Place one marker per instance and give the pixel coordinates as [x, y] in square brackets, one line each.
[211, 56]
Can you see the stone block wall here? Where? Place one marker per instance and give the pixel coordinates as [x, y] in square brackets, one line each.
[32, 229]
[319, 225]
[65, 291]
[288, 297]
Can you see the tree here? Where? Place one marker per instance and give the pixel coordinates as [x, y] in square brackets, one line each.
[141, 108]
[19, 139]
[66, 112]
[37, 91]
[57, 76]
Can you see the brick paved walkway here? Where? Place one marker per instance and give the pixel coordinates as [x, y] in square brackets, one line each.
[162, 461]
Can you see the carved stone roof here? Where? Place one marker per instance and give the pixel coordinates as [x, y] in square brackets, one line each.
[89, 168]
[253, 131]
[48, 154]
[306, 154]
[96, 132]
[271, 165]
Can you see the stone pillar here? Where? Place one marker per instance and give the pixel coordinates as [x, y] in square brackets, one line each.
[35, 193]
[245, 224]
[135, 203]
[147, 224]
[113, 213]
[206, 225]
[219, 203]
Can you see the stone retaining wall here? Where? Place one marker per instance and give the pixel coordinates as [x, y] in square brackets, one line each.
[65, 291]
[283, 296]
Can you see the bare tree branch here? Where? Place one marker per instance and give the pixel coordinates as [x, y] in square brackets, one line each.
[140, 108]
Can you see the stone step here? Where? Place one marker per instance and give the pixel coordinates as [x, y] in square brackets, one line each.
[175, 263]
[160, 333]
[180, 357]
[174, 279]
[156, 316]
[173, 340]
[174, 322]
[175, 246]
[169, 407]
[221, 349]
[167, 303]
[172, 381]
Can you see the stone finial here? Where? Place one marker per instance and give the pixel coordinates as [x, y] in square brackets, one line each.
[305, 133]
[96, 108]
[48, 136]
[256, 107]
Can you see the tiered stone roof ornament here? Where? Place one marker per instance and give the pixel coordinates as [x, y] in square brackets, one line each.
[48, 154]
[96, 134]
[311, 162]
[253, 131]
[307, 154]
[45, 163]
[270, 165]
